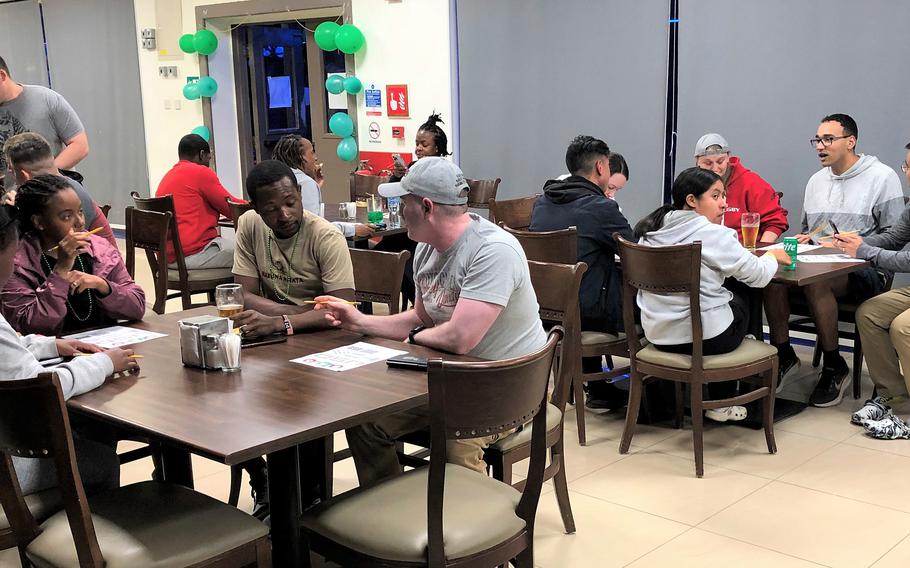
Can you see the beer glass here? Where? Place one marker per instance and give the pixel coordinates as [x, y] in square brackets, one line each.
[229, 299]
[749, 226]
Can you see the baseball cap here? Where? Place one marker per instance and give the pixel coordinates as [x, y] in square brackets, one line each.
[437, 179]
[708, 140]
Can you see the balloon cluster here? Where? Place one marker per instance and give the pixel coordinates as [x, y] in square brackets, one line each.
[337, 84]
[202, 42]
[204, 87]
[348, 39]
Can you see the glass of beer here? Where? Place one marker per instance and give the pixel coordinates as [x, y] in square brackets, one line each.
[749, 226]
[229, 299]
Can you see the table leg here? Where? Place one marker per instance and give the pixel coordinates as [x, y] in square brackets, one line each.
[316, 462]
[284, 502]
[755, 313]
[176, 466]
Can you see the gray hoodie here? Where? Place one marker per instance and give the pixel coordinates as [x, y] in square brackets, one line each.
[665, 318]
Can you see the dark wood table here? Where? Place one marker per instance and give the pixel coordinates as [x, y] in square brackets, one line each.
[331, 215]
[271, 407]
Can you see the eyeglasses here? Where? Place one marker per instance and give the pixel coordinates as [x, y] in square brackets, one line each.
[826, 140]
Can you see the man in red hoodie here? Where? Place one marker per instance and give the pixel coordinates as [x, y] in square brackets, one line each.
[746, 190]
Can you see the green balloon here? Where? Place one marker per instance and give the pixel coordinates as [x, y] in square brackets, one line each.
[325, 35]
[191, 91]
[205, 42]
[335, 84]
[341, 124]
[352, 85]
[203, 131]
[347, 149]
[349, 38]
[207, 86]
[188, 43]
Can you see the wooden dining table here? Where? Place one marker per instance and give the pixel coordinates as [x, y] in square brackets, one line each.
[273, 407]
[332, 214]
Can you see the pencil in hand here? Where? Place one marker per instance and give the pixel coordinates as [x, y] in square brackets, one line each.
[92, 232]
[332, 301]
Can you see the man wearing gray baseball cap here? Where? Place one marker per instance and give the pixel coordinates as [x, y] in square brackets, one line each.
[474, 296]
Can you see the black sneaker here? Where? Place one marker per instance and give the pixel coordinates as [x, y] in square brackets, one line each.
[831, 386]
[787, 367]
[603, 395]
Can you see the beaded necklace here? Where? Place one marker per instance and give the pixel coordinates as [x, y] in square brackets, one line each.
[287, 274]
[91, 303]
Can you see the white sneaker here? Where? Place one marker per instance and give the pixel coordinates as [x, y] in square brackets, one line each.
[731, 413]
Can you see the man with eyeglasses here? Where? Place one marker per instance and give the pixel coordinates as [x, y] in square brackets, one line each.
[855, 193]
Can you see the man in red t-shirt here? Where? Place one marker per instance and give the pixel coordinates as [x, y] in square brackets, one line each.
[746, 190]
[199, 200]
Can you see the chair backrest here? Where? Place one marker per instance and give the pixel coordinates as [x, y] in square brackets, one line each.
[548, 246]
[105, 209]
[662, 270]
[237, 209]
[148, 230]
[472, 400]
[481, 191]
[378, 276]
[556, 287]
[514, 213]
[362, 185]
[34, 423]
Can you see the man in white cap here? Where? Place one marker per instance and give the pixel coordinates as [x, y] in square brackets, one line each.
[474, 297]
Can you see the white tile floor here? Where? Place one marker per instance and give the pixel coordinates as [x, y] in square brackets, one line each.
[829, 497]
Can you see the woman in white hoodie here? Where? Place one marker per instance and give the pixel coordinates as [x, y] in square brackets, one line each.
[697, 214]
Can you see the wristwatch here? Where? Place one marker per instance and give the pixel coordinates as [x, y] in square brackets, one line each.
[414, 332]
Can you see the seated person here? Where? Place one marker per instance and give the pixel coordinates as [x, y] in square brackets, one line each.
[199, 199]
[619, 175]
[299, 154]
[30, 155]
[474, 296]
[746, 190]
[697, 214]
[857, 193]
[66, 279]
[98, 464]
[580, 201]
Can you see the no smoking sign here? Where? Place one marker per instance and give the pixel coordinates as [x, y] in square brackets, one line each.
[374, 131]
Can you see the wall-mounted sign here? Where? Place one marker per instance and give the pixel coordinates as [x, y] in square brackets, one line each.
[373, 98]
[398, 132]
[374, 131]
[397, 100]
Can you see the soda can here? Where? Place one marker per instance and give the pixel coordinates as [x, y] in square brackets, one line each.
[791, 245]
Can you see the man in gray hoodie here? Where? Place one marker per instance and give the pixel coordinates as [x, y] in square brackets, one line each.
[853, 192]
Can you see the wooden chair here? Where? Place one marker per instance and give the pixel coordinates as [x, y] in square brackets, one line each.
[105, 209]
[548, 246]
[237, 209]
[362, 186]
[143, 524]
[481, 522]
[186, 282]
[556, 286]
[677, 270]
[514, 213]
[481, 191]
[378, 276]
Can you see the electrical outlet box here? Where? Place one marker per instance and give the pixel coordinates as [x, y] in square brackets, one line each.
[176, 104]
[162, 71]
[148, 43]
[172, 71]
[167, 104]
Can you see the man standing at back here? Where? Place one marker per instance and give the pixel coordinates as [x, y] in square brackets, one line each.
[199, 199]
[579, 201]
[474, 297]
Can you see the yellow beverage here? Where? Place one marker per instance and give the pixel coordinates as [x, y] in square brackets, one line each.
[750, 236]
[229, 310]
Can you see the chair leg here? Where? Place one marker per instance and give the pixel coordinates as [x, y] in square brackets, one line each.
[695, 403]
[857, 367]
[264, 552]
[186, 298]
[561, 486]
[816, 354]
[525, 558]
[768, 410]
[635, 387]
[236, 479]
[578, 388]
[680, 404]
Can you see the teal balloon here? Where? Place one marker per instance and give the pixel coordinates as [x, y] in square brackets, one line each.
[352, 85]
[341, 124]
[325, 35]
[205, 42]
[191, 91]
[335, 84]
[187, 43]
[203, 131]
[347, 149]
[349, 38]
[207, 86]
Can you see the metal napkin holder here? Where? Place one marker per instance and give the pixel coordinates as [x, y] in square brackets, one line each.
[199, 341]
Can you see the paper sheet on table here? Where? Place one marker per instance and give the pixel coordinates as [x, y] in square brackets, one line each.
[814, 258]
[115, 336]
[800, 249]
[348, 357]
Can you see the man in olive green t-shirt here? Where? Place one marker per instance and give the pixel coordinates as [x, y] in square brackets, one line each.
[284, 256]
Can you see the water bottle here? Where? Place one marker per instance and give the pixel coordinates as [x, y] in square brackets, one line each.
[394, 204]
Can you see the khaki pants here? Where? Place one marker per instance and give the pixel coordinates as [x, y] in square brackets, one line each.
[373, 445]
[884, 327]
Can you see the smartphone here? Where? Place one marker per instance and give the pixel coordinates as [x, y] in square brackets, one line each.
[833, 227]
[263, 340]
[408, 362]
[398, 161]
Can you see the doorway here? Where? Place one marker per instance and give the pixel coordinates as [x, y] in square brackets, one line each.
[277, 64]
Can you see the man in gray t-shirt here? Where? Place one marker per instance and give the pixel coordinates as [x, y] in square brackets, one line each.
[41, 110]
[474, 296]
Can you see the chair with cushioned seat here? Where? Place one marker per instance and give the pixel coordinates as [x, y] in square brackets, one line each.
[41, 505]
[556, 287]
[177, 276]
[237, 209]
[141, 525]
[363, 186]
[481, 191]
[514, 213]
[445, 514]
[677, 270]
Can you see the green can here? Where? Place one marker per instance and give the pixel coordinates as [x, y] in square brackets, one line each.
[791, 246]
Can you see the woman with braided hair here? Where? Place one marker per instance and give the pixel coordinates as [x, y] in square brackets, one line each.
[65, 279]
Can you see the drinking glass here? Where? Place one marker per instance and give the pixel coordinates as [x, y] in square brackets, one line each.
[229, 299]
[749, 226]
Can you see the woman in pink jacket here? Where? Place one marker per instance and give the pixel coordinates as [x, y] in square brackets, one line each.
[66, 279]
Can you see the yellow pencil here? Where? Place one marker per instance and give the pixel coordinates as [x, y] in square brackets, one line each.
[92, 232]
[330, 301]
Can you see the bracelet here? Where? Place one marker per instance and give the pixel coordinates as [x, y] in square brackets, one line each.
[287, 325]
